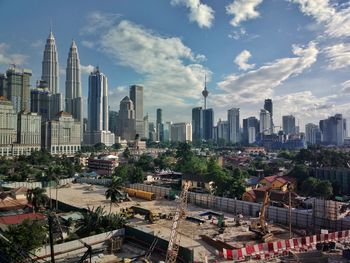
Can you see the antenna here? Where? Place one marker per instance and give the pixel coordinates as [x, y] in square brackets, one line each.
[205, 92]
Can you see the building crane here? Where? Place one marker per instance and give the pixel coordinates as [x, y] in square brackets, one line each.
[174, 241]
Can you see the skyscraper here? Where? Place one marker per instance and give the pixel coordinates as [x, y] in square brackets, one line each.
[97, 130]
[288, 123]
[269, 107]
[98, 101]
[113, 119]
[333, 130]
[250, 130]
[197, 126]
[160, 127]
[50, 68]
[223, 130]
[181, 132]
[265, 122]
[127, 121]
[74, 102]
[18, 87]
[208, 123]
[136, 95]
[312, 133]
[233, 124]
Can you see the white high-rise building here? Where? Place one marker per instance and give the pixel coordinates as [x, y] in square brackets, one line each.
[74, 101]
[265, 122]
[312, 133]
[233, 125]
[50, 68]
[181, 132]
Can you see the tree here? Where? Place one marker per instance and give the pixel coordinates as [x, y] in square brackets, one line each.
[27, 236]
[308, 186]
[145, 162]
[113, 190]
[37, 197]
[116, 146]
[126, 153]
[122, 172]
[324, 189]
[135, 174]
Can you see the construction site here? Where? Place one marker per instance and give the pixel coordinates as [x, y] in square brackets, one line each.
[204, 235]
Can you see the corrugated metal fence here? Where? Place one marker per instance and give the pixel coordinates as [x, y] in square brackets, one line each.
[300, 218]
[32, 185]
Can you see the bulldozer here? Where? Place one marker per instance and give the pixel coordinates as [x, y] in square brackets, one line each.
[259, 226]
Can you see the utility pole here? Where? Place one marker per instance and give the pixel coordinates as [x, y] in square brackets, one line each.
[289, 186]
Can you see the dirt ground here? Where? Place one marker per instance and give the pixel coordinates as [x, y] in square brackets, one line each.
[84, 196]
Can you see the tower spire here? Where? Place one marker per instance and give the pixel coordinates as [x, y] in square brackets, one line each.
[205, 92]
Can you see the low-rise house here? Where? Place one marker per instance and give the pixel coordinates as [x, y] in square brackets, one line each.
[197, 181]
[278, 182]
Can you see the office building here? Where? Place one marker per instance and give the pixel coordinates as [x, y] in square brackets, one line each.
[61, 135]
[268, 105]
[74, 100]
[16, 87]
[152, 132]
[288, 123]
[250, 130]
[208, 124]
[197, 126]
[312, 134]
[3, 86]
[167, 131]
[97, 128]
[113, 119]
[333, 130]
[8, 127]
[181, 132]
[160, 126]
[146, 126]
[233, 125]
[265, 122]
[136, 96]
[50, 68]
[127, 121]
[223, 130]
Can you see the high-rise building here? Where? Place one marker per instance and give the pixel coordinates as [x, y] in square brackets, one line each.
[136, 95]
[208, 124]
[233, 124]
[50, 68]
[250, 130]
[61, 135]
[17, 87]
[160, 126]
[223, 130]
[8, 126]
[28, 132]
[265, 122]
[181, 132]
[312, 133]
[97, 130]
[269, 107]
[146, 126]
[74, 101]
[197, 126]
[167, 131]
[45, 103]
[3, 85]
[127, 122]
[288, 123]
[113, 119]
[152, 132]
[333, 130]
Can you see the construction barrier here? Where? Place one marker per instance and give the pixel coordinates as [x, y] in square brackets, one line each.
[282, 247]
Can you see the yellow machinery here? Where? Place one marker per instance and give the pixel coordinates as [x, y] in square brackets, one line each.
[140, 194]
[149, 215]
[259, 226]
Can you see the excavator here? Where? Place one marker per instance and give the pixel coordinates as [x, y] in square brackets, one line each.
[259, 226]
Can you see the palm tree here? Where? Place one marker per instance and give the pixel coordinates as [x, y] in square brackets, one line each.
[113, 190]
[37, 197]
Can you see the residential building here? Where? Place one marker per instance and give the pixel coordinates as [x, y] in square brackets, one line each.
[61, 135]
[146, 126]
[167, 131]
[265, 122]
[233, 125]
[18, 87]
[312, 133]
[333, 130]
[8, 127]
[28, 132]
[160, 126]
[181, 132]
[74, 100]
[223, 130]
[288, 124]
[136, 95]
[250, 130]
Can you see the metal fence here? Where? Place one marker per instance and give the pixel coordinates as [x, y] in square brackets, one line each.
[300, 218]
[32, 185]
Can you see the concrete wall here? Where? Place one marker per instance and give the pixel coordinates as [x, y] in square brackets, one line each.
[72, 248]
[300, 218]
[93, 181]
[32, 185]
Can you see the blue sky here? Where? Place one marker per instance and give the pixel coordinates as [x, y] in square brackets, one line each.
[296, 52]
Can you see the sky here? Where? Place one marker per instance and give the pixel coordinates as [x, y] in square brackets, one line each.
[296, 52]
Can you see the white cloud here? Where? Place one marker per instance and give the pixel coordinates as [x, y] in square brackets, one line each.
[338, 56]
[252, 86]
[15, 58]
[345, 87]
[243, 10]
[335, 18]
[87, 43]
[38, 44]
[97, 21]
[172, 71]
[200, 13]
[87, 69]
[242, 60]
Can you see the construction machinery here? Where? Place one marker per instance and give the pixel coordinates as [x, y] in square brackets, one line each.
[149, 215]
[180, 213]
[259, 226]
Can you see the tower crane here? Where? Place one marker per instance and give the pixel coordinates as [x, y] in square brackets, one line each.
[174, 241]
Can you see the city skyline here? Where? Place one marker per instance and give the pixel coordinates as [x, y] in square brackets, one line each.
[305, 74]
